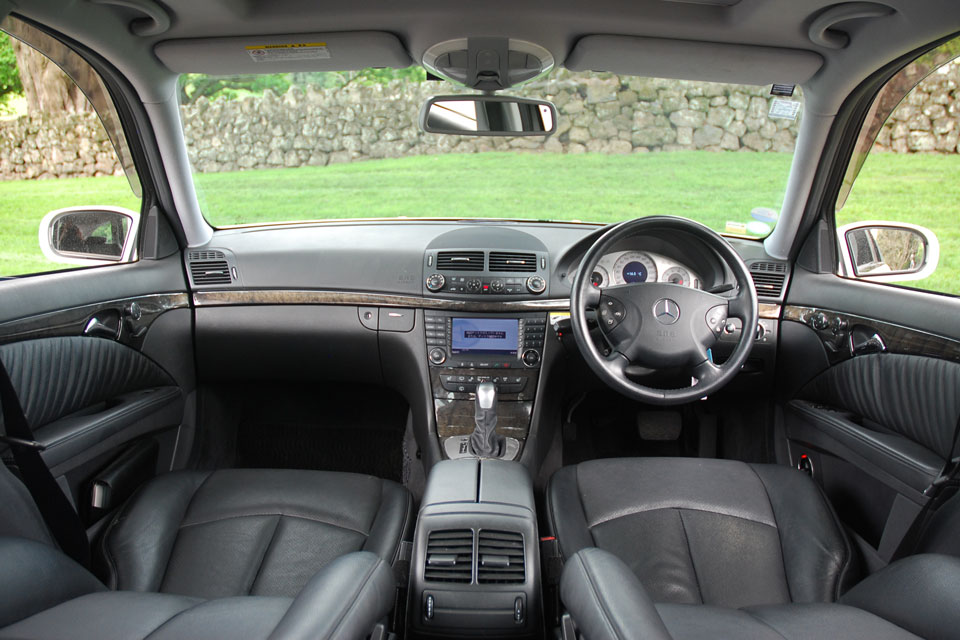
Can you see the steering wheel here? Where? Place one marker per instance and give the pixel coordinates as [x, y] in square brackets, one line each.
[661, 325]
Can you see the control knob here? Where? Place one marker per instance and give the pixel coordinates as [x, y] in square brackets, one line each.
[497, 285]
[437, 355]
[473, 285]
[531, 357]
[435, 282]
[536, 284]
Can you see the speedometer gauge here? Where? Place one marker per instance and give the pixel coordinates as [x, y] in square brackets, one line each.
[635, 266]
[677, 275]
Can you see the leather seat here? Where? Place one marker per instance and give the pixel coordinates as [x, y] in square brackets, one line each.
[46, 595]
[258, 532]
[714, 532]
[913, 598]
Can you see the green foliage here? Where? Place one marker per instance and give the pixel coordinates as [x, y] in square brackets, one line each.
[197, 85]
[9, 74]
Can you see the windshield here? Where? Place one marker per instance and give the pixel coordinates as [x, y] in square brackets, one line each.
[320, 146]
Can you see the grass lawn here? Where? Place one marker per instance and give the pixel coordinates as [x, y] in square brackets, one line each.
[711, 187]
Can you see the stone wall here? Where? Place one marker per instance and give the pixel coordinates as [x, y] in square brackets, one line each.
[599, 113]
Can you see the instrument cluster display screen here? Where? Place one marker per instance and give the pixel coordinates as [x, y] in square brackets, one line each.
[485, 335]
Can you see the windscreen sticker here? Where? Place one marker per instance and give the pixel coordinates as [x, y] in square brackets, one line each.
[786, 109]
[288, 52]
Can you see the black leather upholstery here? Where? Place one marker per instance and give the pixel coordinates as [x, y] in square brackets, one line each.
[259, 532]
[343, 601]
[911, 599]
[912, 396]
[705, 531]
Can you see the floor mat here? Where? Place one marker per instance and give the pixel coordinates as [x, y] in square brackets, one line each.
[338, 428]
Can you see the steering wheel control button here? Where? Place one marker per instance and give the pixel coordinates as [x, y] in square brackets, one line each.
[716, 318]
[536, 284]
[531, 357]
[438, 356]
[666, 311]
[612, 313]
[435, 282]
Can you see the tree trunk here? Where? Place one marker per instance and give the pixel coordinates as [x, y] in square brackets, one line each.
[47, 88]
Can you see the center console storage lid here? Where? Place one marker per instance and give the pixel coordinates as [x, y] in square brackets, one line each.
[503, 482]
[453, 481]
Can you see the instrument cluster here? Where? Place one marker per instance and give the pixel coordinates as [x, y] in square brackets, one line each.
[626, 267]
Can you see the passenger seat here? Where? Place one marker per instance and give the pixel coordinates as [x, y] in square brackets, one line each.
[47, 595]
[265, 532]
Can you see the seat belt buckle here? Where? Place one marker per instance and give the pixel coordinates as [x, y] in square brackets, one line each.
[947, 475]
[23, 444]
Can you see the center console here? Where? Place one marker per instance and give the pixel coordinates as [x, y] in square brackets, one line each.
[475, 569]
[467, 349]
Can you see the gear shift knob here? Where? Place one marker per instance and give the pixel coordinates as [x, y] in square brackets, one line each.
[484, 441]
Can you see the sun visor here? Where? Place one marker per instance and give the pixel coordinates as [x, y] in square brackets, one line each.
[346, 51]
[689, 60]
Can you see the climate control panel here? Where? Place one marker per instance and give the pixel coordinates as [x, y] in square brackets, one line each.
[485, 274]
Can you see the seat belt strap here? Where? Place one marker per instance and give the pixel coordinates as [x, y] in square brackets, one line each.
[936, 496]
[57, 512]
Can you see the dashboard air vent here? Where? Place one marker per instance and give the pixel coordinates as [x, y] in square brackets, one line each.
[449, 556]
[768, 277]
[500, 557]
[504, 261]
[205, 255]
[210, 272]
[460, 261]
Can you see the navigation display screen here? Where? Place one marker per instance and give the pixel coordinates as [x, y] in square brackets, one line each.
[485, 335]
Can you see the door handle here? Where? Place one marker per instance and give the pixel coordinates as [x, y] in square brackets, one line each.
[96, 328]
[864, 340]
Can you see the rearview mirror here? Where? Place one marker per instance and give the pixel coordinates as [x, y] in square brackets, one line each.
[89, 235]
[888, 251]
[482, 115]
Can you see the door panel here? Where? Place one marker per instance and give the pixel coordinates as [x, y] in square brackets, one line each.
[96, 401]
[875, 418]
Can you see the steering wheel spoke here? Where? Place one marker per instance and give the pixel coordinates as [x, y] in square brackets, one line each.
[741, 306]
[706, 373]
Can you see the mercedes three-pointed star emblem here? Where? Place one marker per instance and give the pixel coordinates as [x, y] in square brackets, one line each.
[666, 311]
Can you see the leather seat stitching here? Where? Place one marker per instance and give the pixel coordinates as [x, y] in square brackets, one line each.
[693, 565]
[263, 556]
[783, 555]
[596, 596]
[639, 511]
[186, 510]
[184, 525]
[174, 617]
[355, 599]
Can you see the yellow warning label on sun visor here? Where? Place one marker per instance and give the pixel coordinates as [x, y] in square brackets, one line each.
[288, 52]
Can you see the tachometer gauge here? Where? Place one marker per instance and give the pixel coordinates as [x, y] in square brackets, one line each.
[599, 277]
[677, 275]
[635, 266]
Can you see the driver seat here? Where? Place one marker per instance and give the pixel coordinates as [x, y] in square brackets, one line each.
[704, 531]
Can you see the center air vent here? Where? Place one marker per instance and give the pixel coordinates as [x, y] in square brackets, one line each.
[517, 262]
[449, 556]
[460, 261]
[500, 557]
[210, 272]
[768, 277]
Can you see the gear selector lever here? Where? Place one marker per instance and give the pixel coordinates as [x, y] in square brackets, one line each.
[484, 442]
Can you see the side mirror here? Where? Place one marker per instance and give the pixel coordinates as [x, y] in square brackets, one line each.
[89, 235]
[482, 115]
[887, 251]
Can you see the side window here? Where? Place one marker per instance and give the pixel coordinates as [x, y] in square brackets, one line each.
[898, 211]
[69, 193]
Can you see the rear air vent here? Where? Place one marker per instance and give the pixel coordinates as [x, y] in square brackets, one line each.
[500, 557]
[460, 261]
[768, 277]
[504, 261]
[449, 556]
[205, 255]
[210, 272]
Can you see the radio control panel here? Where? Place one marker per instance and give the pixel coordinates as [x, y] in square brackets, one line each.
[484, 341]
